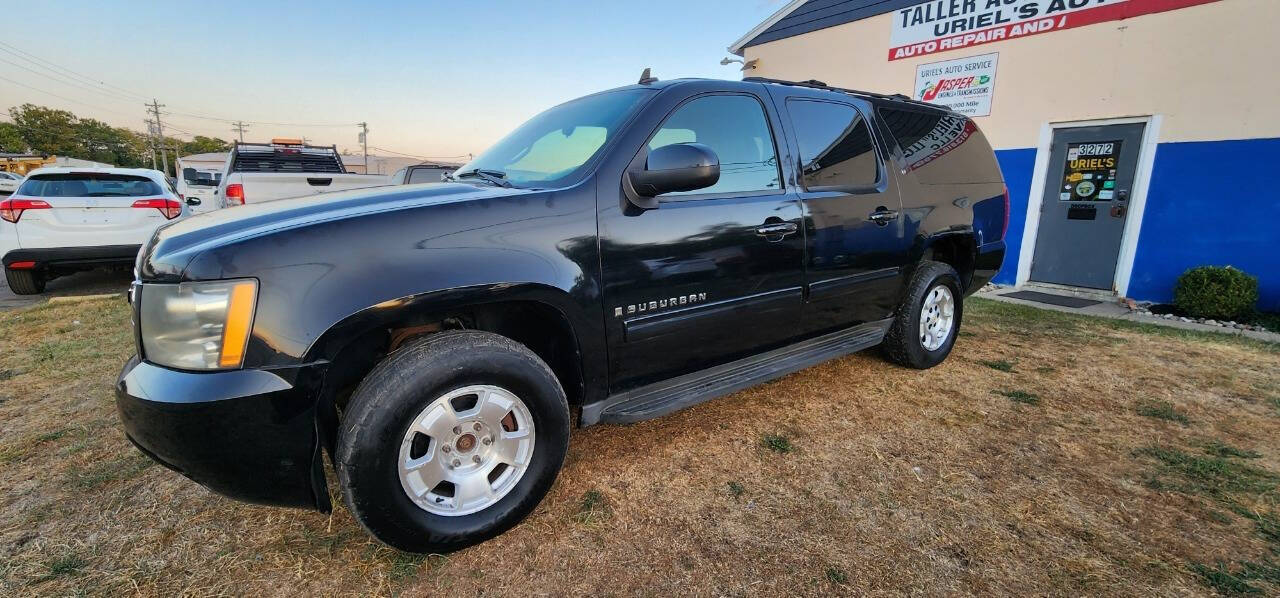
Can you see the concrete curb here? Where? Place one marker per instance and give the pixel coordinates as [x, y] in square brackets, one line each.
[1115, 311]
[82, 298]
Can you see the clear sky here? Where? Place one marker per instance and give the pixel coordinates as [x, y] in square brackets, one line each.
[432, 79]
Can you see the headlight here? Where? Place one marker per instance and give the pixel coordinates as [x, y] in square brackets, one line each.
[197, 325]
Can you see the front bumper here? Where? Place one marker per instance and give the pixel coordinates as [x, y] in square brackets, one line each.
[247, 434]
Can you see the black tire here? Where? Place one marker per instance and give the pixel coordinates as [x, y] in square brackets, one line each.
[382, 407]
[902, 344]
[24, 282]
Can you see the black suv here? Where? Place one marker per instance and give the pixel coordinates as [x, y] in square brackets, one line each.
[616, 257]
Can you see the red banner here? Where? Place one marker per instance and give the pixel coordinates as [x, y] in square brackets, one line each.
[1021, 23]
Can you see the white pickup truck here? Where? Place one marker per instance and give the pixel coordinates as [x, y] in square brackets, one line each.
[258, 172]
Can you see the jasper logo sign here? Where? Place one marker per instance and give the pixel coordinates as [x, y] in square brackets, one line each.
[942, 25]
[932, 90]
[964, 85]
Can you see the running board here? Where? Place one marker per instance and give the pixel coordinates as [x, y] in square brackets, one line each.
[661, 398]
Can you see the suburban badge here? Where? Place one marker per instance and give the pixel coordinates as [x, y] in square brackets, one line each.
[642, 307]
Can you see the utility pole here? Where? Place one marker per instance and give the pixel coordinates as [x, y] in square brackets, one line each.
[151, 138]
[364, 140]
[155, 111]
[239, 127]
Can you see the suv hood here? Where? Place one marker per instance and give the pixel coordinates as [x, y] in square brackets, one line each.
[173, 246]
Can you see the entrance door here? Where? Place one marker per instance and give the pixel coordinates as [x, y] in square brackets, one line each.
[1086, 201]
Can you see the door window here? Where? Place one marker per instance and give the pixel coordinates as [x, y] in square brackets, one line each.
[735, 128]
[926, 135]
[836, 149]
[425, 175]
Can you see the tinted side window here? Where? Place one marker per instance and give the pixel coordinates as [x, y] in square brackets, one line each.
[910, 126]
[835, 145]
[941, 147]
[425, 175]
[736, 129]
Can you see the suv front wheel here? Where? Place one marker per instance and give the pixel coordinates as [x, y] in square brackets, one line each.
[924, 327]
[24, 282]
[451, 440]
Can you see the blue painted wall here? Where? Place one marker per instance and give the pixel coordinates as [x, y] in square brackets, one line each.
[1210, 203]
[1017, 166]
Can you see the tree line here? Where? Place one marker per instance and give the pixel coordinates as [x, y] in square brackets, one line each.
[41, 130]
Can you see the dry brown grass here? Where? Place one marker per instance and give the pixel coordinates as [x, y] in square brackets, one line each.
[896, 481]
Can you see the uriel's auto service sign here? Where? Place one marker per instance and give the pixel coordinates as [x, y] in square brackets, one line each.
[965, 84]
[942, 25]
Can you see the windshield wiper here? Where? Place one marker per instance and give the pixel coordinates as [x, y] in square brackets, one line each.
[497, 177]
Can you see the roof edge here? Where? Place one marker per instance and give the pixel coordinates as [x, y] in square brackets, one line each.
[736, 47]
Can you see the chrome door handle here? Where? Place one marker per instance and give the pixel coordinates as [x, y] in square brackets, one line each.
[781, 228]
[882, 216]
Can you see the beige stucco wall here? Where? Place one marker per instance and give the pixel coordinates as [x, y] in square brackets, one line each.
[1207, 69]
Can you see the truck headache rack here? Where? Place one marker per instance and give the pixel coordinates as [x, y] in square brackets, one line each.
[816, 84]
[272, 157]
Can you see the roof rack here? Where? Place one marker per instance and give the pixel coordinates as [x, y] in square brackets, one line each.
[816, 84]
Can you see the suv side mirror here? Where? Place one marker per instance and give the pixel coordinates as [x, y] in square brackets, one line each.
[675, 167]
[193, 201]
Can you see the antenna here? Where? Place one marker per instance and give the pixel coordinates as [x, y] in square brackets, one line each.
[646, 78]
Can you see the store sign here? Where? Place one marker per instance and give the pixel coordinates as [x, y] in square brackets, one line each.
[943, 25]
[964, 84]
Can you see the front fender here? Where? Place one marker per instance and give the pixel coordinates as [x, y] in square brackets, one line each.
[382, 314]
[315, 277]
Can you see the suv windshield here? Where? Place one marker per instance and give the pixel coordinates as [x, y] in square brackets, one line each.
[551, 148]
[89, 184]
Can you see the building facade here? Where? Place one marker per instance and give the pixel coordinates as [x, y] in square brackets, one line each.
[1137, 137]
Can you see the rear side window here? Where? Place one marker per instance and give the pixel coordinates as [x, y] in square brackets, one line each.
[425, 175]
[89, 184]
[836, 149]
[942, 147]
[734, 127]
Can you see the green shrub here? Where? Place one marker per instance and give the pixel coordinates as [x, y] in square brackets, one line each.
[1220, 293]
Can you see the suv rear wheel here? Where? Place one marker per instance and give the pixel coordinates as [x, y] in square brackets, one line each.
[925, 325]
[451, 440]
[24, 282]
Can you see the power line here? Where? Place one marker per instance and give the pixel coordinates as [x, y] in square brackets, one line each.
[263, 122]
[68, 81]
[195, 131]
[52, 66]
[240, 128]
[170, 125]
[62, 97]
[94, 82]
[383, 149]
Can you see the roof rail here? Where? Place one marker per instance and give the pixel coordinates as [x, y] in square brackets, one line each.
[816, 84]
